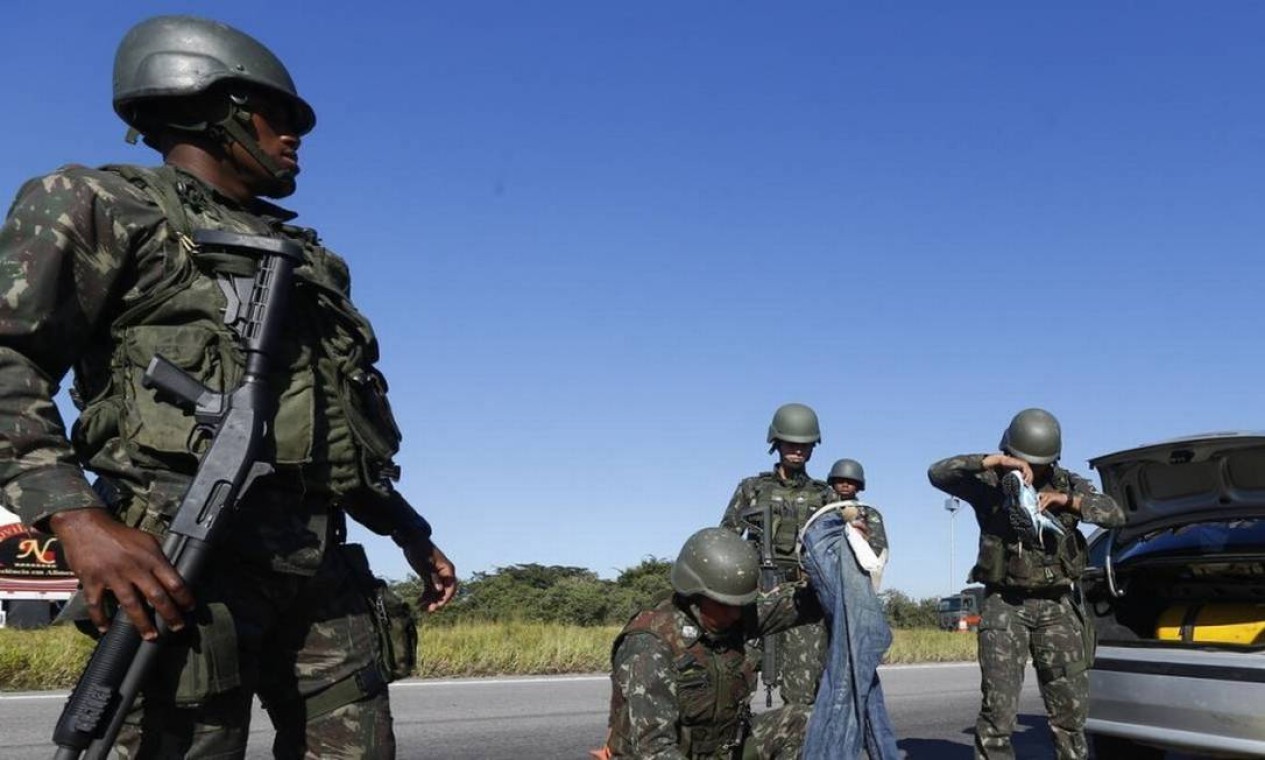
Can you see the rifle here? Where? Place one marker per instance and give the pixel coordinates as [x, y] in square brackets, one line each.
[237, 422]
[768, 581]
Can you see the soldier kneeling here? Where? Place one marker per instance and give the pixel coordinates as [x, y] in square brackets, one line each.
[682, 672]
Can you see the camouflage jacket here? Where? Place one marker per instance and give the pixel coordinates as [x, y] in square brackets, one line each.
[97, 276]
[793, 500]
[680, 692]
[875, 530]
[1003, 559]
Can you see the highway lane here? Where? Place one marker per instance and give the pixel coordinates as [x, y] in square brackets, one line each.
[932, 706]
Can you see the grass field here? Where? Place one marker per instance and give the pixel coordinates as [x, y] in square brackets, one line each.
[52, 658]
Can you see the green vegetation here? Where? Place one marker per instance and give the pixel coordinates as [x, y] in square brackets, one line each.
[904, 612]
[519, 620]
[553, 594]
[575, 596]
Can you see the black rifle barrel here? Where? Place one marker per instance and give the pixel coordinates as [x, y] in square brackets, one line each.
[768, 581]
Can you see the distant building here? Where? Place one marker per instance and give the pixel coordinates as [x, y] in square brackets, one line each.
[35, 580]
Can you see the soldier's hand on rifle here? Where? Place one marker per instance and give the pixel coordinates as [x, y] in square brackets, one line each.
[435, 570]
[106, 555]
[1007, 462]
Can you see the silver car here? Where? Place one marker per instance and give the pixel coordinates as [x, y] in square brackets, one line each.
[1177, 597]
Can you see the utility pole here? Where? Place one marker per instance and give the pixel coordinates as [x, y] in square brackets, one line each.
[952, 504]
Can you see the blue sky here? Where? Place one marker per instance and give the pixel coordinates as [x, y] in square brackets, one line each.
[602, 242]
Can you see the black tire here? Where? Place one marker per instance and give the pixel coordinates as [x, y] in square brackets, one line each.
[1116, 748]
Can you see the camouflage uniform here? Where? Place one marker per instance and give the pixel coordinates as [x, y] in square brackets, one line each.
[876, 532]
[679, 692]
[801, 651]
[97, 273]
[1028, 605]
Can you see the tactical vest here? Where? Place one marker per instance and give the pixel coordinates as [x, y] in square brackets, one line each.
[1005, 560]
[714, 682]
[333, 433]
[792, 502]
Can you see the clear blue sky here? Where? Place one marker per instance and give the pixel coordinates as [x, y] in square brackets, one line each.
[603, 241]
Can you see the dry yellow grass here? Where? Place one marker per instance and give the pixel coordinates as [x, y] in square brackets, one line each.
[52, 658]
[479, 649]
[927, 645]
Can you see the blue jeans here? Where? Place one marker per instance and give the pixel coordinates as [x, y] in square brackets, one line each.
[849, 711]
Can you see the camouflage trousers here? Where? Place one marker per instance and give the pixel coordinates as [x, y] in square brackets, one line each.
[1013, 625]
[777, 734]
[305, 645]
[801, 659]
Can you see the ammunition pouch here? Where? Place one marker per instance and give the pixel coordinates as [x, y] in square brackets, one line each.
[1073, 554]
[363, 396]
[365, 683]
[211, 665]
[392, 619]
[397, 633]
[1022, 567]
[712, 742]
[990, 566]
[195, 664]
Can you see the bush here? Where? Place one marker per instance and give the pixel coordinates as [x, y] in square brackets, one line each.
[551, 594]
[576, 596]
[904, 612]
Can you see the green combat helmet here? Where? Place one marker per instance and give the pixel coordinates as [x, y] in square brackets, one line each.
[795, 423]
[848, 469]
[168, 60]
[1034, 436]
[718, 564]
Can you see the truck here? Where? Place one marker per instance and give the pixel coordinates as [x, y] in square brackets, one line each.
[961, 611]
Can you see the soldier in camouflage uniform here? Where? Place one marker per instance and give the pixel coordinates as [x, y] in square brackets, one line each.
[1031, 602]
[793, 496]
[847, 480]
[99, 273]
[682, 673]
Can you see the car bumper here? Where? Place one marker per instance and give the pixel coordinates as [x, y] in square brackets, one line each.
[1196, 700]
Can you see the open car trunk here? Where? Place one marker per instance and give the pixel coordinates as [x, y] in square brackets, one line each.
[1188, 568]
[1184, 592]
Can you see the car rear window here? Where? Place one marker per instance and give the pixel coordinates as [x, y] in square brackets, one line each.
[1206, 538]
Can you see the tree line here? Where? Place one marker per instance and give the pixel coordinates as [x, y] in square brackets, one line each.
[577, 596]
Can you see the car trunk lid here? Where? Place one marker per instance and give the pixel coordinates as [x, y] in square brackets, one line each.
[1215, 476]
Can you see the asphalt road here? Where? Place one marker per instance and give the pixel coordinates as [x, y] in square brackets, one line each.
[932, 706]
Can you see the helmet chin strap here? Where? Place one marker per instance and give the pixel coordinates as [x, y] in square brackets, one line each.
[229, 129]
[232, 129]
